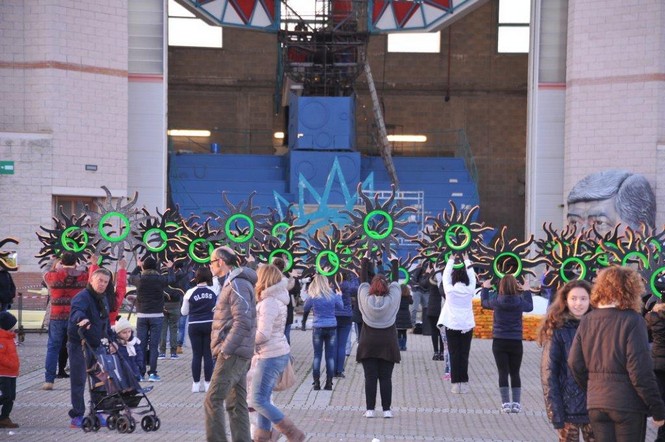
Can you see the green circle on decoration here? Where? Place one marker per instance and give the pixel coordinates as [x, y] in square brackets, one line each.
[373, 233]
[146, 237]
[572, 259]
[333, 259]
[652, 282]
[70, 244]
[452, 231]
[500, 274]
[241, 238]
[407, 276]
[289, 263]
[602, 259]
[281, 225]
[125, 230]
[640, 255]
[459, 265]
[192, 250]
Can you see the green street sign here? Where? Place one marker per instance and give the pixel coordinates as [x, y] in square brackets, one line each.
[6, 168]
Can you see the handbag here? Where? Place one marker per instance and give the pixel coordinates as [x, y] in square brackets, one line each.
[287, 379]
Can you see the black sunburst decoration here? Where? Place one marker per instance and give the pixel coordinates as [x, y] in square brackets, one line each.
[378, 226]
[7, 261]
[330, 255]
[70, 233]
[283, 237]
[239, 227]
[109, 216]
[450, 232]
[506, 256]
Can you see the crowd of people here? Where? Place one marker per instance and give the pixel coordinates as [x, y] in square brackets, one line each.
[601, 376]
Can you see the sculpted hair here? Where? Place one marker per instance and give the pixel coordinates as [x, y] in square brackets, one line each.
[508, 285]
[558, 312]
[621, 286]
[267, 276]
[227, 255]
[406, 291]
[279, 263]
[459, 275]
[635, 201]
[68, 258]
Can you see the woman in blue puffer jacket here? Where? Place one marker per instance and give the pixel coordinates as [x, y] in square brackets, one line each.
[508, 306]
[565, 401]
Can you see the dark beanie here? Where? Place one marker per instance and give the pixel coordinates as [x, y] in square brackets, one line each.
[7, 320]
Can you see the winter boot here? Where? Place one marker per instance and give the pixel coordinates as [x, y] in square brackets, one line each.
[317, 384]
[328, 385]
[289, 429]
[261, 435]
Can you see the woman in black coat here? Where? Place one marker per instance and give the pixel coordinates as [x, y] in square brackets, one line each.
[403, 320]
[609, 358]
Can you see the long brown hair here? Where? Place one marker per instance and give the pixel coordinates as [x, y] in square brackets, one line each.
[622, 286]
[508, 285]
[267, 276]
[558, 312]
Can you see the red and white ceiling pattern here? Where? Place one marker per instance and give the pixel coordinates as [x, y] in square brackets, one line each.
[259, 14]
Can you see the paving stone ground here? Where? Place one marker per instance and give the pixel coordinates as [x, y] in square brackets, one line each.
[423, 407]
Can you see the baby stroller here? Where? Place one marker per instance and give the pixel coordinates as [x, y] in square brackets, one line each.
[114, 390]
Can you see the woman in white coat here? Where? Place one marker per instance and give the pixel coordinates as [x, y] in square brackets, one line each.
[459, 286]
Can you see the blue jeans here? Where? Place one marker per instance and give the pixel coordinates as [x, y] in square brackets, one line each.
[77, 377]
[57, 330]
[343, 332]
[324, 336]
[266, 374]
[182, 325]
[149, 331]
[287, 333]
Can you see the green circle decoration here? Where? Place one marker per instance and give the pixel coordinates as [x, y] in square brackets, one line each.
[125, 231]
[446, 257]
[192, 250]
[70, 244]
[289, 263]
[652, 282]
[407, 276]
[500, 274]
[642, 256]
[242, 238]
[452, 231]
[281, 225]
[373, 233]
[162, 234]
[602, 259]
[572, 259]
[332, 258]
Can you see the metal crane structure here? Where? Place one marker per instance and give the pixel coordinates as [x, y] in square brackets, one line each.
[323, 52]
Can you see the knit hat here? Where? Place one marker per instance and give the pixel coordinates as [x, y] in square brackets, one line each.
[122, 324]
[7, 320]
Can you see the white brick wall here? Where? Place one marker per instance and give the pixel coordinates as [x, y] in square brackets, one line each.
[615, 94]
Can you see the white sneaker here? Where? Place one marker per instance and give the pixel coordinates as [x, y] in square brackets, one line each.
[206, 386]
[457, 389]
[387, 414]
[196, 387]
[369, 414]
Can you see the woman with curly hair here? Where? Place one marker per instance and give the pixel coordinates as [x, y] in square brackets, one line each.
[565, 401]
[609, 358]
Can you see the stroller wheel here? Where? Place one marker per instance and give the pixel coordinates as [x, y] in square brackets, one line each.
[96, 423]
[148, 423]
[132, 425]
[158, 423]
[86, 424]
[123, 424]
[112, 422]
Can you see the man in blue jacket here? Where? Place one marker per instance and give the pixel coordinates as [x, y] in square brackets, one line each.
[89, 312]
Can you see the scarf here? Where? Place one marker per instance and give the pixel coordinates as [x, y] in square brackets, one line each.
[99, 299]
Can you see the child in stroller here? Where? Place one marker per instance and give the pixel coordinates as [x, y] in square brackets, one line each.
[114, 390]
[129, 347]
